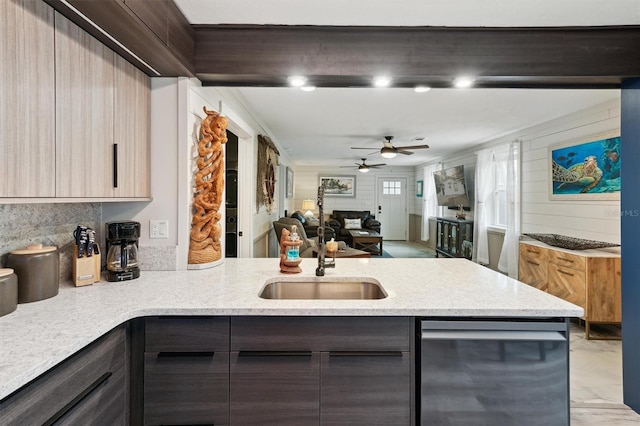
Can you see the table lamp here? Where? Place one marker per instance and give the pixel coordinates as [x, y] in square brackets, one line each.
[309, 206]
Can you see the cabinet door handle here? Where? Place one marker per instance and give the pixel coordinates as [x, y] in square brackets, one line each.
[565, 272]
[115, 165]
[532, 251]
[566, 260]
[64, 410]
[365, 353]
[274, 353]
[533, 263]
[184, 354]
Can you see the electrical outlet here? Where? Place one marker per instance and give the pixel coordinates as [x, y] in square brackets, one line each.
[159, 228]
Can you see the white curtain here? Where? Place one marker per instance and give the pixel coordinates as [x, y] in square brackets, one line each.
[484, 209]
[429, 199]
[508, 262]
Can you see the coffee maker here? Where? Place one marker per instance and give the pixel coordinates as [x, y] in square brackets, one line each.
[122, 250]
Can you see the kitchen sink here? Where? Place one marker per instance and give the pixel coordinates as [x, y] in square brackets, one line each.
[319, 289]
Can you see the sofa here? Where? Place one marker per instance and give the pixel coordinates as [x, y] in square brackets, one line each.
[343, 221]
[311, 226]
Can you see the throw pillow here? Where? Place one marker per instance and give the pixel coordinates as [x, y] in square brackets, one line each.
[353, 224]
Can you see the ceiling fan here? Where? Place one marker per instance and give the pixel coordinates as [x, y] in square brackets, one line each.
[364, 167]
[390, 151]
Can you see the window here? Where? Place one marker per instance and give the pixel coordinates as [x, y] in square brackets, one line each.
[391, 187]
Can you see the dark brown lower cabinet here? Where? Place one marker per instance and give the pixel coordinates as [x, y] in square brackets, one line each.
[365, 388]
[89, 388]
[186, 388]
[186, 371]
[274, 388]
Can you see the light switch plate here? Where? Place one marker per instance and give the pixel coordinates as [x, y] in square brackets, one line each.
[159, 228]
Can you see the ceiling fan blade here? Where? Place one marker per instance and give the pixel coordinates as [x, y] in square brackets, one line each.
[413, 147]
[377, 165]
[400, 151]
[350, 167]
[355, 147]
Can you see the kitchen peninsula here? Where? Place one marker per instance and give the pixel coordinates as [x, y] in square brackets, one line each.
[38, 336]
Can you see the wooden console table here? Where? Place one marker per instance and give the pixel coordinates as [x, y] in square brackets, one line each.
[587, 278]
[369, 241]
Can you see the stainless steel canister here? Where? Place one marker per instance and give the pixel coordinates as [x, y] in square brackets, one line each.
[38, 271]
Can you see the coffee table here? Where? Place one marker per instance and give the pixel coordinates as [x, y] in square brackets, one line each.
[346, 252]
[369, 241]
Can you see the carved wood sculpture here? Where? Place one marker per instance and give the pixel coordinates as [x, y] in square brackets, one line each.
[204, 245]
[288, 266]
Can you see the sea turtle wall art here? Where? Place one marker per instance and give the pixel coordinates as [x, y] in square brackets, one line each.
[589, 170]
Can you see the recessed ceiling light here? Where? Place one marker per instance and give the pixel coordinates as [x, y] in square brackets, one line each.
[297, 80]
[308, 88]
[422, 89]
[463, 82]
[381, 81]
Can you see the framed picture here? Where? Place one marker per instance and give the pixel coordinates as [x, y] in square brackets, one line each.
[586, 170]
[338, 186]
[289, 183]
[419, 188]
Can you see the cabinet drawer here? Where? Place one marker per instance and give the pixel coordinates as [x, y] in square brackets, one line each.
[533, 272]
[567, 260]
[102, 406]
[186, 334]
[360, 388]
[568, 284]
[274, 388]
[56, 393]
[186, 388]
[320, 333]
[534, 252]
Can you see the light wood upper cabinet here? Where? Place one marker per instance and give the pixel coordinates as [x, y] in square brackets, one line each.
[27, 123]
[103, 115]
[84, 113]
[67, 101]
[132, 130]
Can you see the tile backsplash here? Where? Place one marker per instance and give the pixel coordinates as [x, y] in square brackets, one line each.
[47, 224]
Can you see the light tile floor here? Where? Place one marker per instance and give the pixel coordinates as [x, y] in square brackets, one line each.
[595, 371]
[595, 366]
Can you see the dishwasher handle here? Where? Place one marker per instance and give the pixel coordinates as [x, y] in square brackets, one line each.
[503, 335]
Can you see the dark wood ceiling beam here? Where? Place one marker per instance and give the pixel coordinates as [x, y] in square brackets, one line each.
[153, 32]
[350, 56]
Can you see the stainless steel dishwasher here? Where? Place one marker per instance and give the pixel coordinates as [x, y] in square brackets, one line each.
[494, 372]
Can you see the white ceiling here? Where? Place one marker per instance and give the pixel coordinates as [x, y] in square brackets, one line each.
[320, 127]
[474, 13]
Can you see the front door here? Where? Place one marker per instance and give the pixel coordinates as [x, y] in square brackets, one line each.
[392, 207]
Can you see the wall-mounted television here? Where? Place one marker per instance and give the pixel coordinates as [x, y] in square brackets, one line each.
[451, 187]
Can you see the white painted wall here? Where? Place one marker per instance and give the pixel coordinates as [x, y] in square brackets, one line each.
[306, 187]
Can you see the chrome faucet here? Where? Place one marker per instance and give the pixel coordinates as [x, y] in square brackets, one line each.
[322, 247]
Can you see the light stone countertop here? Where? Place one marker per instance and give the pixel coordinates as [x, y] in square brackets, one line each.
[39, 335]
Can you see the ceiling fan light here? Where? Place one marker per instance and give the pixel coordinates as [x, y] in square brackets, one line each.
[297, 80]
[421, 89]
[308, 88]
[363, 169]
[388, 152]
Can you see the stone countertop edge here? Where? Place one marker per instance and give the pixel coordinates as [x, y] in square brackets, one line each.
[39, 335]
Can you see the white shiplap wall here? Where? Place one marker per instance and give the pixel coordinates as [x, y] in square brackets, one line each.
[596, 220]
